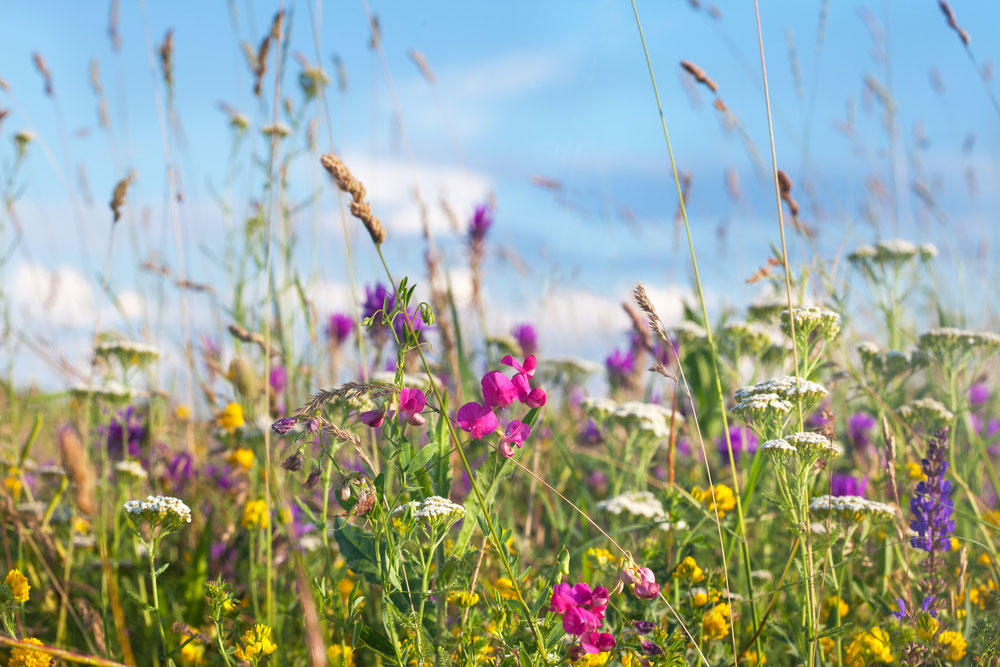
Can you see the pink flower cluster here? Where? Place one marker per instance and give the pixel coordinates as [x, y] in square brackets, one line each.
[641, 580]
[499, 392]
[582, 612]
[411, 403]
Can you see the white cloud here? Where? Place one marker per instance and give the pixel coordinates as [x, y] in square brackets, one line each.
[60, 297]
[390, 183]
[132, 304]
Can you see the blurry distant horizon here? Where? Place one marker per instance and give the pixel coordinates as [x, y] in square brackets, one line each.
[546, 111]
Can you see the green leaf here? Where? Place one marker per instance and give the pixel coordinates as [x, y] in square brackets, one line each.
[143, 605]
[377, 642]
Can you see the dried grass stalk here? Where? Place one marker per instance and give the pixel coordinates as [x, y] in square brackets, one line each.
[699, 75]
[949, 14]
[118, 196]
[360, 209]
[79, 469]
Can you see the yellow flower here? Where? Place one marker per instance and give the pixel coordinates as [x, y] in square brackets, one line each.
[232, 417]
[914, 471]
[832, 605]
[192, 653]
[463, 599]
[699, 599]
[255, 514]
[927, 626]
[13, 481]
[869, 647]
[983, 559]
[81, 525]
[505, 588]
[719, 497]
[26, 657]
[689, 571]
[241, 458]
[182, 413]
[600, 557]
[992, 517]
[340, 656]
[593, 659]
[955, 644]
[751, 658]
[18, 585]
[715, 622]
[256, 644]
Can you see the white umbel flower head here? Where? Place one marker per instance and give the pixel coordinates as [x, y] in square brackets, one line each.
[928, 412]
[435, 510]
[110, 391]
[650, 418]
[851, 509]
[810, 321]
[640, 505]
[779, 451]
[895, 251]
[813, 446]
[165, 512]
[127, 352]
[131, 469]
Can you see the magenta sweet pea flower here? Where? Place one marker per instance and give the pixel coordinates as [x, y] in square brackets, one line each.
[527, 368]
[517, 433]
[597, 642]
[477, 420]
[373, 418]
[411, 403]
[498, 390]
[642, 581]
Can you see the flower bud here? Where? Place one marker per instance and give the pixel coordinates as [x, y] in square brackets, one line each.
[283, 426]
[313, 479]
[294, 462]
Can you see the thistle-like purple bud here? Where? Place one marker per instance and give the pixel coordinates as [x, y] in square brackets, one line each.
[283, 425]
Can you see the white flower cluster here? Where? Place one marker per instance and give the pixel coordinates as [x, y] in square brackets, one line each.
[126, 347]
[814, 445]
[760, 403]
[892, 251]
[130, 468]
[648, 417]
[809, 320]
[159, 510]
[433, 509]
[111, 391]
[570, 366]
[945, 341]
[927, 410]
[641, 504]
[779, 450]
[851, 508]
[787, 387]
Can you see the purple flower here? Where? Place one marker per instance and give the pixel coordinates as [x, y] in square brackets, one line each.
[375, 298]
[848, 485]
[643, 627]
[859, 428]
[526, 338]
[125, 434]
[620, 366]
[482, 220]
[736, 438]
[930, 504]
[279, 379]
[979, 393]
[339, 328]
[283, 425]
[179, 471]
[992, 427]
[597, 481]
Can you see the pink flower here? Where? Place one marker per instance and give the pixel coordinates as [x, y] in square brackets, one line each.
[516, 434]
[528, 368]
[498, 390]
[582, 610]
[411, 403]
[597, 642]
[373, 418]
[642, 581]
[477, 420]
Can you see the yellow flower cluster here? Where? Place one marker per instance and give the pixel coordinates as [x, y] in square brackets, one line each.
[256, 643]
[255, 515]
[505, 588]
[340, 656]
[26, 657]
[232, 417]
[13, 482]
[193, 652]
[868, 648]
[954, 642]
[916, 472]
[241, 458]
[600, 557]
[593, 659]
[18, 585]
[701, 597]
[834, 606]
[715, 622]
[689, 571]
[719, 497]
[981, 594]
[463, 599]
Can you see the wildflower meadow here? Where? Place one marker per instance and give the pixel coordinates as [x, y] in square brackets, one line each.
[326, 342]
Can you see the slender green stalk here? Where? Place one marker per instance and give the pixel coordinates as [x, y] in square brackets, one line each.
[744, 545]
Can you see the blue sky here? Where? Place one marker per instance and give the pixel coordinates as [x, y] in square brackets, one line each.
[558, 90]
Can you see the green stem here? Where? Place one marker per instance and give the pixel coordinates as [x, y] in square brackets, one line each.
[151, 550]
